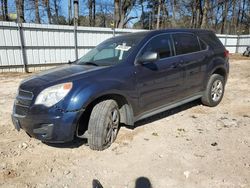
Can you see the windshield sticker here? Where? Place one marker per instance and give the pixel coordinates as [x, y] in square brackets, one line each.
[123, 47]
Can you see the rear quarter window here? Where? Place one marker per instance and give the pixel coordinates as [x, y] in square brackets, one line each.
[211, 40]
[185, 43]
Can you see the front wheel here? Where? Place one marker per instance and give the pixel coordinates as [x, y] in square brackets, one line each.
[214, 91]
[103, 124]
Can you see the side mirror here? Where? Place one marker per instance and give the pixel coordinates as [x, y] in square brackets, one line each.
[148, 57]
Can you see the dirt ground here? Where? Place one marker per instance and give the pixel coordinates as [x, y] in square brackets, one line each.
[191, 146]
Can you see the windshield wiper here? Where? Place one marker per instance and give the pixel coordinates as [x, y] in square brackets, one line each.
[90, 63]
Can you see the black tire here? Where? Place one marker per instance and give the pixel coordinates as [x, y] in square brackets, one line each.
[103, 125]
[212, 95]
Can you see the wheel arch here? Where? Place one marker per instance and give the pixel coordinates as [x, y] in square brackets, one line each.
[221, 71]
[125, 109]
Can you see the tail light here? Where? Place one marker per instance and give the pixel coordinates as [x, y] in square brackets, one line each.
[226, 53]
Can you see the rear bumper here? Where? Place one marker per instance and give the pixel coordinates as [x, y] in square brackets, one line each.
[53, 127]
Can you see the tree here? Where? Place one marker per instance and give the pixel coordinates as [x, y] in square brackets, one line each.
[122, 9]
[92, 13]
[56, 8]
[69, 11]
[37, 19]
[4, 9]
[173, 5]
[48, 10]
[204, 23]
[158, 14]
[224, 16]
[20, 10]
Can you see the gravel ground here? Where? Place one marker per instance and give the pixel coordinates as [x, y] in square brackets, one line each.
[190, 146]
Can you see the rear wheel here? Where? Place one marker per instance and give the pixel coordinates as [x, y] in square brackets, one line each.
[103, 125]
[214, 91]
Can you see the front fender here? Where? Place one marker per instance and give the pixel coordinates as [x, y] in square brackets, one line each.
[83, 96]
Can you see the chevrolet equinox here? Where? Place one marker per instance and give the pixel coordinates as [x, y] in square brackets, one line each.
[122, 80]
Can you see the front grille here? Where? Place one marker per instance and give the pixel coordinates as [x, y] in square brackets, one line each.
[23, 102]
[21, 110]
[25, 94]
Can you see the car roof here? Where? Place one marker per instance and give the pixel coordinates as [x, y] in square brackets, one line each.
[155, 32]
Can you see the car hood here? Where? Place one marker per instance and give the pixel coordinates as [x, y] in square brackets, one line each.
[56, 75]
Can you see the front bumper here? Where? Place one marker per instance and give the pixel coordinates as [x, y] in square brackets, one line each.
[53, 125]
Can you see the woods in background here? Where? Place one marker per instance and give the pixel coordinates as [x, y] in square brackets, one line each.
[222, 16]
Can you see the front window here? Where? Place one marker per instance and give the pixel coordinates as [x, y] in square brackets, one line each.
[111, 52]
[160, 44]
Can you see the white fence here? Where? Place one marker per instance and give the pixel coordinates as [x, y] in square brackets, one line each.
[44, 45]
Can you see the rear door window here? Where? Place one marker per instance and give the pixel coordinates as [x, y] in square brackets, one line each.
[160, 44]
[185, 43]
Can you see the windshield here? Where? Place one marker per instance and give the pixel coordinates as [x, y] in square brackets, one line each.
[111, 51]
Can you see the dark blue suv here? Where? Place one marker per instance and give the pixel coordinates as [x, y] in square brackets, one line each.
[122, 80]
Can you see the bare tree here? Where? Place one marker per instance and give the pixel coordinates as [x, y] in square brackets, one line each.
[173, 4]
[69, 11]
[20, 10]
[92, 8]
[142, 13]
[204, 23]
[48, 10]
[4, 9]
[122, 9]
[164, 14]
[158, 14]
[56, 8]
[116, 13]
[233, 22]
[37, 19]
[224, 16]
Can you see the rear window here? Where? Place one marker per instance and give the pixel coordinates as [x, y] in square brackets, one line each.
[185, 43]
[211, 40]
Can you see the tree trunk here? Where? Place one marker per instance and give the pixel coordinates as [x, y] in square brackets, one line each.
[142, 14]
[94, 11]
[48, 10]
[204, 23]
[5, 10]
[20, 10]
[158, 14]
[238, 15]
[243, 11]
[90, 4]
[192, 22]
[116, 13]
[216, 17]
[2, 9]
[224, 17]
[69, 11]
[197, 19]
[200, 16]
[164, 14]
[56, 11]
[173, 4]
[233, 22]
[38, 21]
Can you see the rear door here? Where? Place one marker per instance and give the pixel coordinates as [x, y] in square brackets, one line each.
[159, 82]
[193, 54]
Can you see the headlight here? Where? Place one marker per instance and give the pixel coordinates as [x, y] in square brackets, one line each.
[53, 94]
